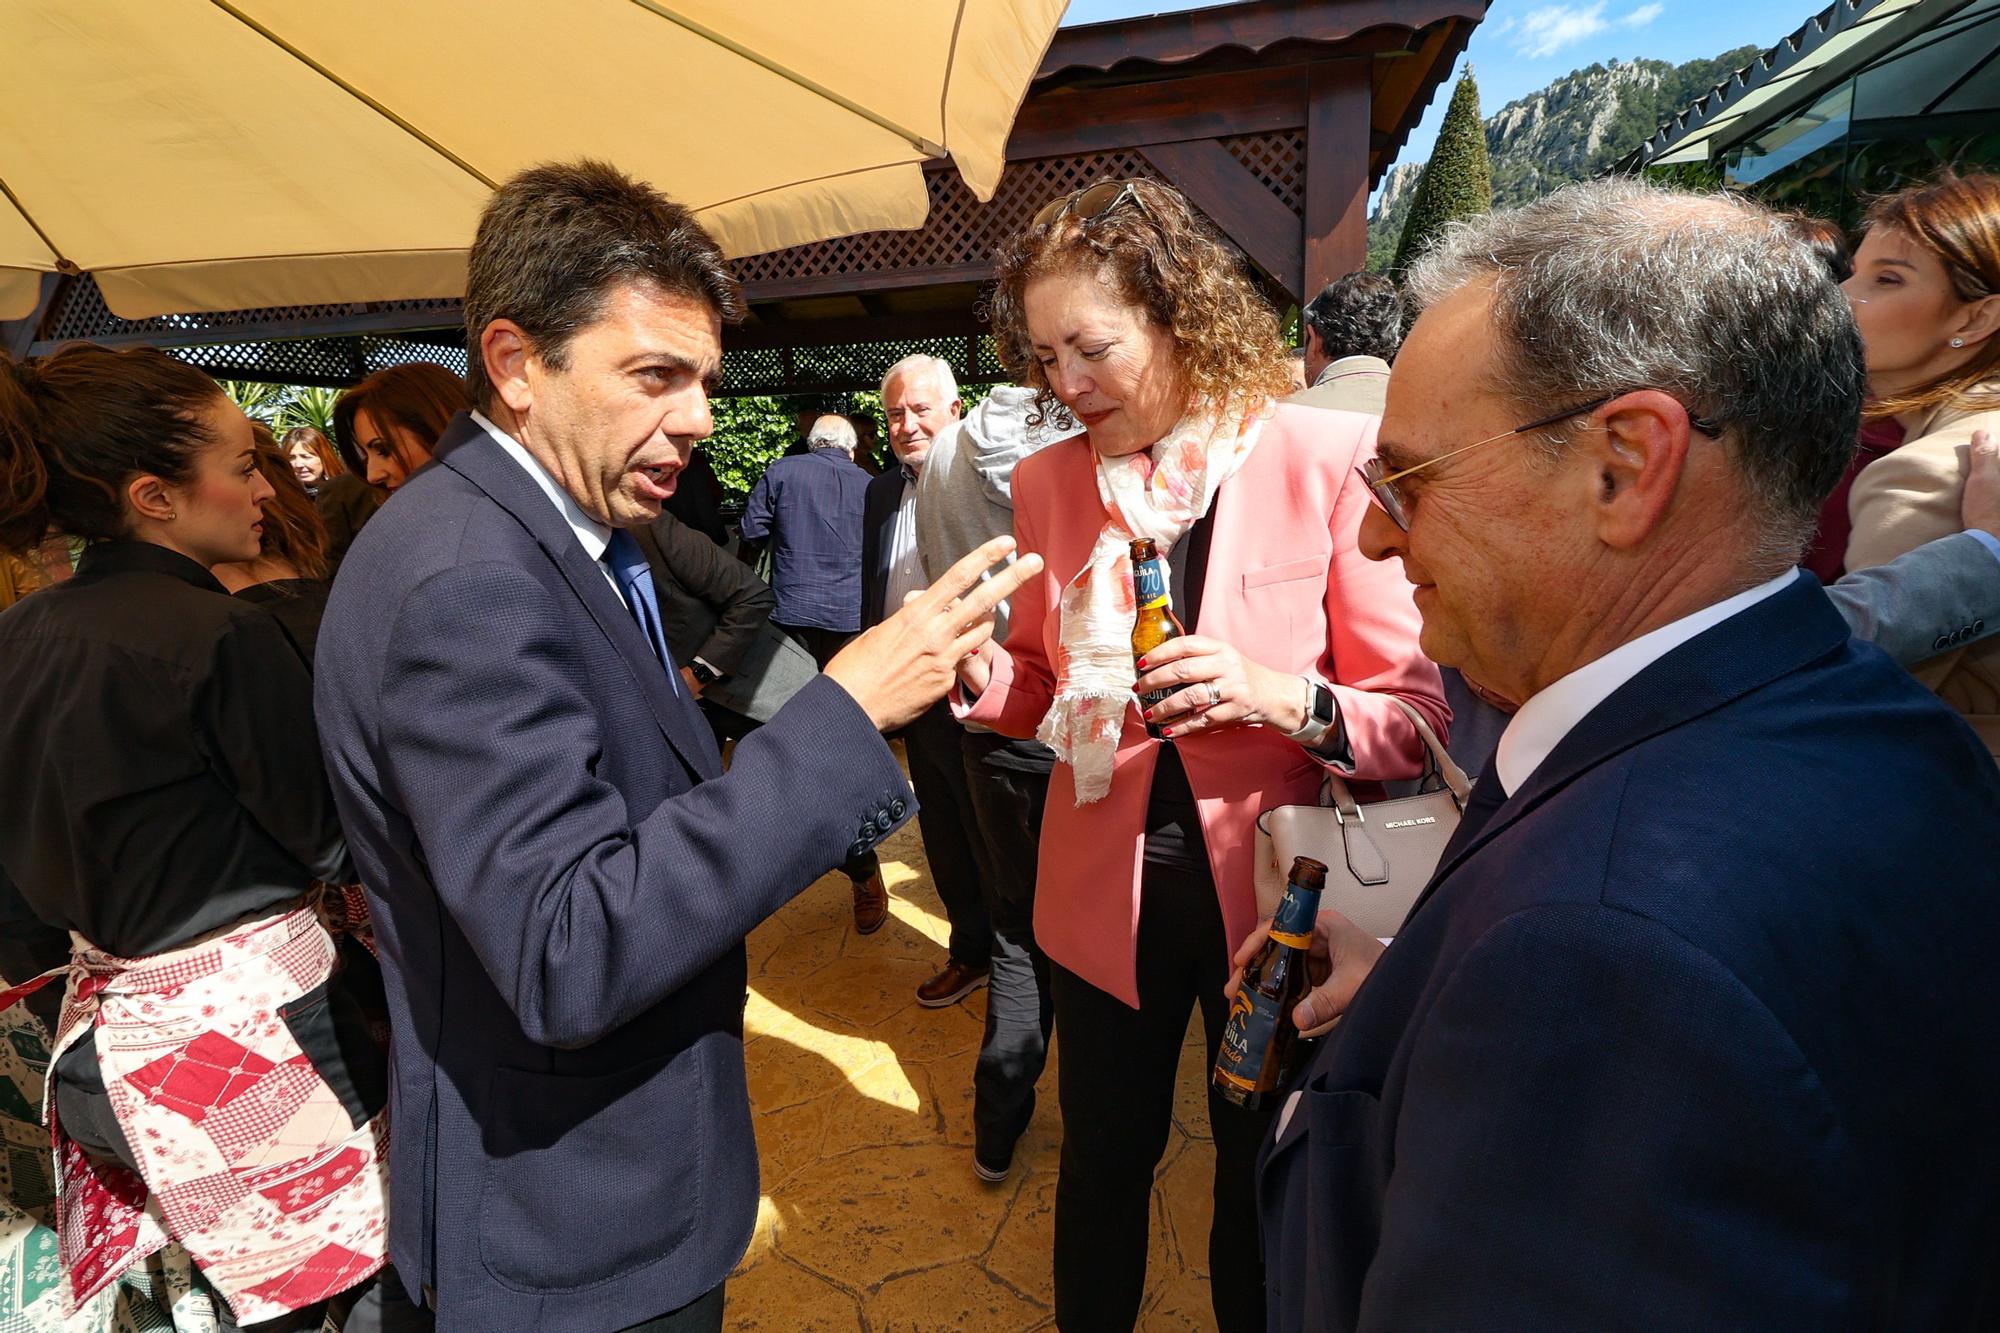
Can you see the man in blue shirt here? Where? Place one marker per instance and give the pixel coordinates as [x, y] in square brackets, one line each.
[809, 508]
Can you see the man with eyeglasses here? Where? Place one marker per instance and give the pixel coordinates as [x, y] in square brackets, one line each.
[1692, 1028]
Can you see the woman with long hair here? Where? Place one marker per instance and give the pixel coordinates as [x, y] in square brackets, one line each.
[289, 576]
[1926, 294]
[1129, 315]
[394, 417]
[213, 1086]
[311, 458]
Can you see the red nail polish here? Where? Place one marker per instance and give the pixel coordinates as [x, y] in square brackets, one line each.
[1142, 664]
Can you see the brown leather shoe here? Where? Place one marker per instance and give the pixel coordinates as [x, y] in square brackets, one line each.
[952, 984]
[871, 904]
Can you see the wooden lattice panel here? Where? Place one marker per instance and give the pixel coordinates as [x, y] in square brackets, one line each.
[1278, 160]
[960, 230]
[80, 312]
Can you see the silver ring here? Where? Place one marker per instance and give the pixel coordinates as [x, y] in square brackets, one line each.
[1214, 694]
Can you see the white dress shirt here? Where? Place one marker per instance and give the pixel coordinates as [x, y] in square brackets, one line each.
[906, 564]
[1544, 720]
[590, 534]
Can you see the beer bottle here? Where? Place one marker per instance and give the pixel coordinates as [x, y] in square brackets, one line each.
[1260, 1037]
[1155, 623]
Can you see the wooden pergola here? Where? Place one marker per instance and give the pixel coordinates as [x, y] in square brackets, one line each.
[1275, 117]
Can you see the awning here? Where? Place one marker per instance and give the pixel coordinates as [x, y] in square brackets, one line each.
[202, 155]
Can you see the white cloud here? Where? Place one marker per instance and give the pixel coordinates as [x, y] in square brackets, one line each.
[1552, 28]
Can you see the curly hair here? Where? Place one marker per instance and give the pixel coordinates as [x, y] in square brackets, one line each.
[1162, 257]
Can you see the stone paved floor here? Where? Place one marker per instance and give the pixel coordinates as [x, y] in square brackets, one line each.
[872, 1218]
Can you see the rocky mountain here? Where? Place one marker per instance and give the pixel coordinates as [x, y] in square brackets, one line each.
[1569, 131]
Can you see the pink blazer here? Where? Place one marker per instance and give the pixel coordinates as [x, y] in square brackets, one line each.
[1287, 587]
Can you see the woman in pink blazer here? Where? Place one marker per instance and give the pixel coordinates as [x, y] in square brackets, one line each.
[1122, 306]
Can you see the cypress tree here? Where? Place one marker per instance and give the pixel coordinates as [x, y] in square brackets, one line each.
[1457, 182]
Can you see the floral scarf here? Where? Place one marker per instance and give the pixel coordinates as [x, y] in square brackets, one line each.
[1159, 493]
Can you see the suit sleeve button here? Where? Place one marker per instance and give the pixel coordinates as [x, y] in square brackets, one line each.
[1943, 642]
[897, 808]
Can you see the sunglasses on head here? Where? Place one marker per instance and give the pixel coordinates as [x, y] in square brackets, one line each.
[1092, 202]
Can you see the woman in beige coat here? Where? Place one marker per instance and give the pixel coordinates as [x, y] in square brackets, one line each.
[1926, 294]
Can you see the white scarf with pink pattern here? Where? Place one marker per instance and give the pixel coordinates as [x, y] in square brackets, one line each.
[1159, 493]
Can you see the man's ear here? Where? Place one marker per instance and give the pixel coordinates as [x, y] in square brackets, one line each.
[506, 351]
[1312, 344]
[957, 409]
[1635, 464]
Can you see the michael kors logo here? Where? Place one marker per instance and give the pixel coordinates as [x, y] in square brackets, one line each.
[1410, 823]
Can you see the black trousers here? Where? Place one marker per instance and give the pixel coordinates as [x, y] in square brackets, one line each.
[1117, 1070]
[1008, 782]
[824, 645]
[703, 1314]
[948, 821]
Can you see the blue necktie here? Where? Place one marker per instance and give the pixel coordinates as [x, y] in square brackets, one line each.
[634, 578]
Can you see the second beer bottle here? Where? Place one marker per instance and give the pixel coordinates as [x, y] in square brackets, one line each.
[1156, 622]
[1260, 1039]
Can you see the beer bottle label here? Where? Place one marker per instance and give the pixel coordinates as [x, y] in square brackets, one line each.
[1253, 1019]
[1293, 924]
[1150, 584]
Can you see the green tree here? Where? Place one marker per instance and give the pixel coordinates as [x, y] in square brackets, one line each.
[308, 407]
[259, 401]
[1457, 181]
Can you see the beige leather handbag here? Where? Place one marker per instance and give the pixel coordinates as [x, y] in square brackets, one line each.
[1378, 856]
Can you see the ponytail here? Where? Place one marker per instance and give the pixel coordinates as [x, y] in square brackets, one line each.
[78, 425]
[24, 477]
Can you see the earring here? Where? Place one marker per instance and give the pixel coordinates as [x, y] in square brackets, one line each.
[171, 516]
[1958, 342]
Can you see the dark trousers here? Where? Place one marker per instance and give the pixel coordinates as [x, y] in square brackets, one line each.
[824, 645]
[1008, 782]
[1117, 1071]
[946, 817]
[701, 1315]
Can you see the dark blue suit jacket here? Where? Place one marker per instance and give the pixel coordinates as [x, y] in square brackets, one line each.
[562, 879]
[1700, 1030]
[880, 502]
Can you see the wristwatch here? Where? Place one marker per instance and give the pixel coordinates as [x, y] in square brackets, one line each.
[704, 673]
[1321, 715]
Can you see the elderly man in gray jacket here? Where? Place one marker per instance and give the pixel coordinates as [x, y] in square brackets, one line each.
[967, 490]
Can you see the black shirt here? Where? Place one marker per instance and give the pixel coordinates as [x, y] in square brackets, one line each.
[163, 774]
[297, 604]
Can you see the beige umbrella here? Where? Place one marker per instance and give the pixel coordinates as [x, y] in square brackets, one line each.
[229, 154]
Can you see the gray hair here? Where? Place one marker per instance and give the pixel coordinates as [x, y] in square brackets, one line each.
[831, 431]
[1614, 285]
[921, 364]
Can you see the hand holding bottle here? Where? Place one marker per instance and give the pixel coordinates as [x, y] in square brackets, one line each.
[1341, 958]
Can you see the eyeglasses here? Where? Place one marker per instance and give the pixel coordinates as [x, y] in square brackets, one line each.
[1397, 505]
[1090, 203]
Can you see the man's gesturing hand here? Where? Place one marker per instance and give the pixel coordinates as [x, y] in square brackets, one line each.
[1341, 957]
[905, 664]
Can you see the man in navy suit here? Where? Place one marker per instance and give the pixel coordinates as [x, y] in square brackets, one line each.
[561, 875]
[1694, 1026]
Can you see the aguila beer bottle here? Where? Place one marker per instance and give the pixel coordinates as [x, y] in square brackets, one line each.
[1260, 1037]
[1155, 623]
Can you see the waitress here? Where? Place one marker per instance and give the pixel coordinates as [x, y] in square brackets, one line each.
[213, 1085]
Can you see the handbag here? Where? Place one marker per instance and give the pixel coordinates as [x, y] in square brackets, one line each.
[1378, 856]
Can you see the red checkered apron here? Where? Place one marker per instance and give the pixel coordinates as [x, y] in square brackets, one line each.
[247, 1158]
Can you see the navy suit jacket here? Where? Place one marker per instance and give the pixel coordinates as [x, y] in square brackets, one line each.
[880, 502]
[562, 879]
[1698, 1031]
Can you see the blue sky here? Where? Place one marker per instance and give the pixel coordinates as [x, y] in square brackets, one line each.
[1525, 44]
